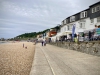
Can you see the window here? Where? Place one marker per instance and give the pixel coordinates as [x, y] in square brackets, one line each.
[65, 21]
[93, 10]
[82, 25]
[83, 14]
[92, 20]
[64, 28]
[62, 23]
[97, 8]
[98, 19]
[67, 27]
[70, 27]
[72, 18]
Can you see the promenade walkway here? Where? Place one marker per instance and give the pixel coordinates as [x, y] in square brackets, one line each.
[52, 60]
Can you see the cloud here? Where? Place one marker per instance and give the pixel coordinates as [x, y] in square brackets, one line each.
[22, 16]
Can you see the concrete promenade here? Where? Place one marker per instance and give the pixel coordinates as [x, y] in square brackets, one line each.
[52, 60]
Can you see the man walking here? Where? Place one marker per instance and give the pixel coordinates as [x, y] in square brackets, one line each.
[42, 42]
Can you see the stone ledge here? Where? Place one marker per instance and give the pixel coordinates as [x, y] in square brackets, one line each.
[91, 47]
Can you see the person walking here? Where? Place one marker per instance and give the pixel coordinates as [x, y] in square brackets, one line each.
[42, 42]
[45, 43]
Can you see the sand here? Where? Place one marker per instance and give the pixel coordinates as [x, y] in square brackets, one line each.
[16, 60]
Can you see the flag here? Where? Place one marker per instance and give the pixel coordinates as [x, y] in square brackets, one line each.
[73, 30]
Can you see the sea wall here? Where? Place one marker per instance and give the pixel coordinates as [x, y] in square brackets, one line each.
[92, 48]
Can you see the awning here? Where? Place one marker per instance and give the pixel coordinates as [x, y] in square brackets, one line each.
[87, 31]
[66, 32]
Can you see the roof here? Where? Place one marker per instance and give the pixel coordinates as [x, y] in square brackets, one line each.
[83, 10]
[95, 4]
[76, 13]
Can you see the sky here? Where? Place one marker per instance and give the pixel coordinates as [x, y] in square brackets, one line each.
[26, 16]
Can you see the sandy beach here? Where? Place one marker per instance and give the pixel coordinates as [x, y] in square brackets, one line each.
[16, 60]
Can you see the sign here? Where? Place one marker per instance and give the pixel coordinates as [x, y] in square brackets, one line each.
[73, 31]
[98, 31]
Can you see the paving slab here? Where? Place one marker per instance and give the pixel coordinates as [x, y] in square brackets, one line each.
[52, 60]
[40, 64]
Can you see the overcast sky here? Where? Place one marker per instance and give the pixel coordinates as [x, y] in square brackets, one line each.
[25, 16]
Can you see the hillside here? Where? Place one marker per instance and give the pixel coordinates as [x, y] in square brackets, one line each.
[34, 34]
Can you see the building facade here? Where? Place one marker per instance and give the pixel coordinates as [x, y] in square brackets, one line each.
[84, 20]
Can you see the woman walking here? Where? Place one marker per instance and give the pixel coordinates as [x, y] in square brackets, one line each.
[45, 43]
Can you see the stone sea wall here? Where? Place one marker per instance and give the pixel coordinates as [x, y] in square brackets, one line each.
[92, 48]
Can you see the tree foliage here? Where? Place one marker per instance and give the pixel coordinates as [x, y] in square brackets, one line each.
[34, 34]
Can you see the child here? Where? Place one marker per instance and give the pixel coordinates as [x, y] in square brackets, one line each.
[23, 45]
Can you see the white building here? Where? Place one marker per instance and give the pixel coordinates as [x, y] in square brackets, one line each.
[84, 20]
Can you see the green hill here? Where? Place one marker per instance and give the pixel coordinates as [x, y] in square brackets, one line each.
[34, 34]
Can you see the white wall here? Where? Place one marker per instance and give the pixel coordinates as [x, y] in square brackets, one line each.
[63, 29]
[88, 25]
